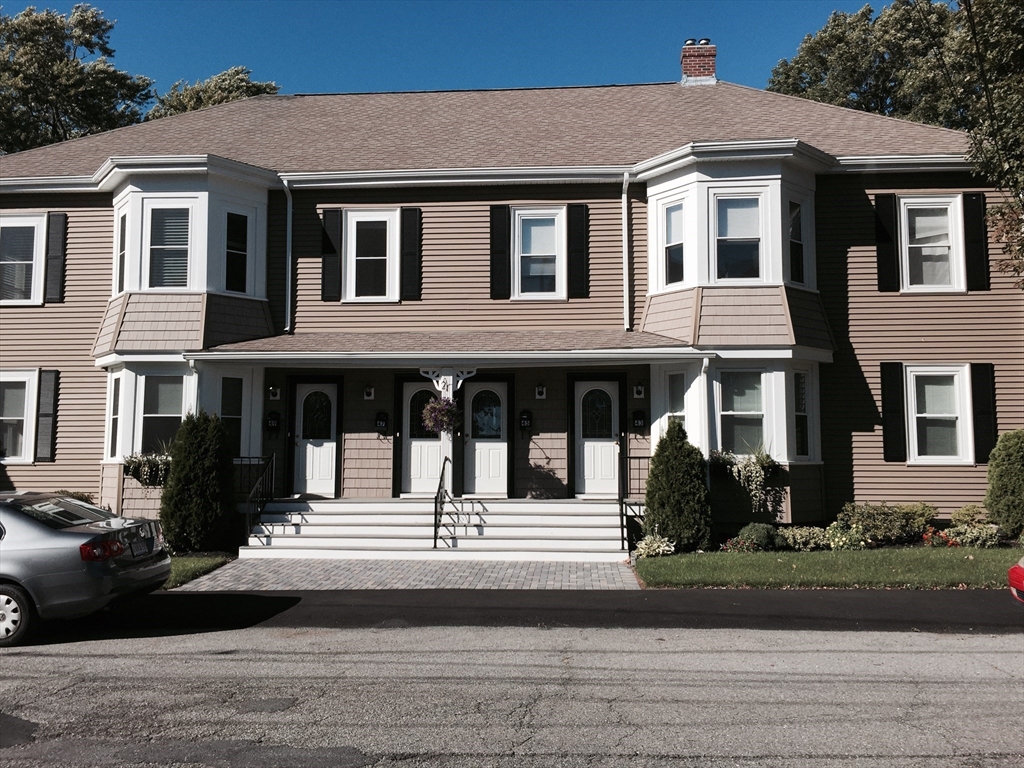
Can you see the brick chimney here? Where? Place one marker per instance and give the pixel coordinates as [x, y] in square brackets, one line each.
[698, 60]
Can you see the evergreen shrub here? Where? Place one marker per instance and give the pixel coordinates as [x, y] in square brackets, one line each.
[676, 500]
[197, 509]
[762, 537]
[881, 524]
[804, 538]
[1005, 496]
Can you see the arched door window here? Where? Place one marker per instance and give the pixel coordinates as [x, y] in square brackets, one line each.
[596, 415]
[416, 405]
[317, 411]
[486, 423]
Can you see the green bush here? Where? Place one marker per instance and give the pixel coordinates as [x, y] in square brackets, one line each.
[761, 536]
[882, 524]
[676, 501]
[804, 538]
[971, 514]
[977, 536]
[654, 545]
[1005, 496]
[845, 536]
[197, 507]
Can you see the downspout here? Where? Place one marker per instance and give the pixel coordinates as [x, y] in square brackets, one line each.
[288, 261]
[627, 320]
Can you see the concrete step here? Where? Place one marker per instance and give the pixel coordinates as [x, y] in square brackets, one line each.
[426, 542]
[427, 527]
[419, 518]
[383, 553]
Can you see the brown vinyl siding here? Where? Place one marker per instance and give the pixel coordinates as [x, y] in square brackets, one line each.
[456, 263]
[234, 318]
[671, 314]
[743, 317]
[167, 322]
[106, 337]
[637, 250]
[366, 457]
[60, 336]
[807, 316]
[872, 327]
[540, 460]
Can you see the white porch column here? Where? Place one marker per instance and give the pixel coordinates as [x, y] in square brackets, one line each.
[447, 381]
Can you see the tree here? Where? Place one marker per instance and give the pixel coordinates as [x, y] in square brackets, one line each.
[230, 85]
[676, 503]
[56, 80]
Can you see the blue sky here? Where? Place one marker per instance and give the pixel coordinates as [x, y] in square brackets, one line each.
[344, 46]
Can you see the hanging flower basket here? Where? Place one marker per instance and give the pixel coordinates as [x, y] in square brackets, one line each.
[441, 415]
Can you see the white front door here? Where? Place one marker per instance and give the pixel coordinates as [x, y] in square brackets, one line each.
[421, 448]
[597, 432]
[486, 439]
[316, 439]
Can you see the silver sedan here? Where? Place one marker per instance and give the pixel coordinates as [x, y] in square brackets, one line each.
[61, 558]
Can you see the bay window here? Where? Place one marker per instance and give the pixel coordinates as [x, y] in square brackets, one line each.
[738, 237]
[741, 413]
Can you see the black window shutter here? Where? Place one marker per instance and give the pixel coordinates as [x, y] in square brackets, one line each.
[46, 419]
[330, 259]
[501, 252]
[412, 254]
[983, 392]
[56, 256]
[976, 242]
[887, 243]
[579, 254]
[894, 425]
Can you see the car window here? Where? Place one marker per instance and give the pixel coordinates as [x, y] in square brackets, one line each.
[63, 513]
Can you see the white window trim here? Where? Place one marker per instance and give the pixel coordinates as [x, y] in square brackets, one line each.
[766, 427]
[149, 204]
[561, 251]
[244, 416]
[764, 233]
[187, 399]
[813, 430]
[348, 283]
[123, 210]
[957, 260]
[250, 214]
[965, 415]
[38, 221]
[658, 274]
[118, 439]
[28, 440]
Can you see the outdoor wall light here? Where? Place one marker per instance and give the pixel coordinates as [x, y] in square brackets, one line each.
[638, 391]
[367, 392]
[540, 392]
[274, 393]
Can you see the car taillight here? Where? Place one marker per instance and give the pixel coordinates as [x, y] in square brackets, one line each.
[98, 551]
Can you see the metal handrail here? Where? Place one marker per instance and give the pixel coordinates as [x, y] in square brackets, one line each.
[631, 507]
[439, 499]
[261, 493]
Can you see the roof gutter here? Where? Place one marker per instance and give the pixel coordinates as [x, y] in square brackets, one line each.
[288, 259]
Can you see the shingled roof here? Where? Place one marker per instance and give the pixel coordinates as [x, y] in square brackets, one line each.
[584, 126]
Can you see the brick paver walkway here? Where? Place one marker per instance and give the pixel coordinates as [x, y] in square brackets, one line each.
[259, 574]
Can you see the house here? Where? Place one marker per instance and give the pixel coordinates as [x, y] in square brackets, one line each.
[575, 267]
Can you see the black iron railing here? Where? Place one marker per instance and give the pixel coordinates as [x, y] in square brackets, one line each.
[261, 491]
[632, 485]
[440, 498]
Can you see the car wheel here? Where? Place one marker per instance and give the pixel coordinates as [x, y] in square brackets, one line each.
[16, 615]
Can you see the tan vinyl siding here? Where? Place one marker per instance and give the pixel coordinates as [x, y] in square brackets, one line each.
[366, 456]
[61, 336]
[810, 326]
[872, 327]
[106, 337]
[456, 265]
[671, 314]
[743, 317]
[111, 484]
[161, 322]
[637, 250]
[234, 318]
[541, 461]
[277, 270]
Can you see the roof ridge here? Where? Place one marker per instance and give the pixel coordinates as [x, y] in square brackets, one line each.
[483, 90]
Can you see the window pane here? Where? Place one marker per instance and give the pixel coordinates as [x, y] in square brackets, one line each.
[17, 244]
[596, 415]
[927, 226]
[163, 396]
[121, 244]
[802, 441]
[238, 232]
[796, 231]
[12, 399]
[800, 392]
[158, 432]
[115, 409]
[929, 265]
[486, 421]
[936, 437]
[168, 268]
[674, 263]
[16, 253]
[677, 393]
[537, 274]
[742, 434]
[738, 218]
[231, 397]
[371, 277]
[317, 416]
[936, 395]
[739, 258]
[233, 436]
[796, 245]
[741, 391]
[538, 236]
[235, 270]
[169, 228]
[371, 239]
[674, 224]
[417, 403]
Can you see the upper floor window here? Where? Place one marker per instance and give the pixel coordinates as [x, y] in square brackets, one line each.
[162, 405]
[371, 258]
[673, 244]
[22, 252]
[17, 415]
[931, 250]
[539, 253]
[168, 247]
[236, 264]
[741, 412]
[738, 237]
[122, 250]
[796, 243]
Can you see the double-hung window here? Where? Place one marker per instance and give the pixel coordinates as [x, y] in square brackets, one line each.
[162, 405]
[796, 243]
[231, 413]
[673, 244]
[17, 415]
[539, 253]
[122, 251]
[738, 237]
[742, 412]
[114, 424]
[677, 398]
[802, 434]
[938, 414]
[371, 259]
[236, 258]
[22, 252]
[169, 239]
[931, 243]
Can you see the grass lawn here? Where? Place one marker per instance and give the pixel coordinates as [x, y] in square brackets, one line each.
[911, 568]
[184, 568]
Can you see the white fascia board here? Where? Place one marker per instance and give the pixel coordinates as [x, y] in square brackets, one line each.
[118, 359]
[49, 184]
[870, 163]
[773, 353]
[456, 176]
[370, 359]
[116, 169]
[723, 151]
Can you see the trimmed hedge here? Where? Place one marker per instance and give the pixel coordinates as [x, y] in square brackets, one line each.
[880, 524]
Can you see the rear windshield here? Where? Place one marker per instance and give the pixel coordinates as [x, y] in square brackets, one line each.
[63, 513]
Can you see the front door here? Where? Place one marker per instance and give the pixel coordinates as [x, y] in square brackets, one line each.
[316, 439]
[486, 439]
[597, 431]
[421, 448]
